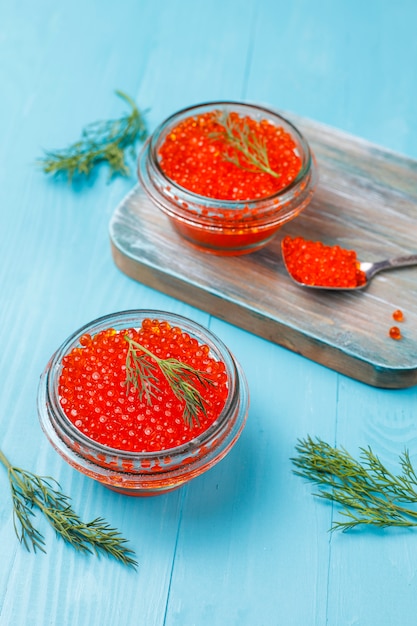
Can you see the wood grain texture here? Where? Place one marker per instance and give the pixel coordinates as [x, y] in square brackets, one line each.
[246, 544]
[366, 200]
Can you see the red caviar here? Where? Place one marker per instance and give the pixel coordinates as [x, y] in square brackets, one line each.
[95, 398]
[395, 333]
[313, 263]
[231, 239]
[195, 156]
[398, 315]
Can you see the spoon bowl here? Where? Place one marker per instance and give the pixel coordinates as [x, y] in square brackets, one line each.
[369, 270]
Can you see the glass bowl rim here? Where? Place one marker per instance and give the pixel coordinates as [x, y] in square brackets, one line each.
[150, 148]
[66, 427]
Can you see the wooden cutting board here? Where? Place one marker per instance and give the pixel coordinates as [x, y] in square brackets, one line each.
[366, 200]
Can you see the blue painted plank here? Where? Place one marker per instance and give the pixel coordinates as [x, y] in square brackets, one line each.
[247, 543]
[251, 538]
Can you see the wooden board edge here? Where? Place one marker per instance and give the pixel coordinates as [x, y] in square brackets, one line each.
[250, 320]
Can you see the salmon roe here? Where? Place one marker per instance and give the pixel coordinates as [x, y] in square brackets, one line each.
[313, 263]
[196, 156]
[395, 333]
[398, 315]
[96, 399]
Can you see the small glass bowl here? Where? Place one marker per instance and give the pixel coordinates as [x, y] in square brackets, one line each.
[147, 473]
[219, 226]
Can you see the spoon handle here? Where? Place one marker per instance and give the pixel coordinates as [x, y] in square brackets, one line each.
[388, 264]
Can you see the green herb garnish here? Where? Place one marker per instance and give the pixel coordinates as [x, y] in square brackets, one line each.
[367, 492]
[100, 142]
[30, 491]
[237, 134]
[181, 377]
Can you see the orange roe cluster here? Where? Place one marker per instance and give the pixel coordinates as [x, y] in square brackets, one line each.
[95, 398]
[313, 263]
[196, 156]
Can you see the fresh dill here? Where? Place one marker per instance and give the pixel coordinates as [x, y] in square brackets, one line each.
[240, 137]
[101, 142]
[181, 377]
[30, 491]
[366, 491]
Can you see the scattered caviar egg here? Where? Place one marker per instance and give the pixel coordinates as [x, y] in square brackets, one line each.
[398, 315]
[200, 156]
[395, 333]
[315, 264]
[97, 398]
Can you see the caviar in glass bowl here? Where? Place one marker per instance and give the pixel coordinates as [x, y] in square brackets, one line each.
[228, 175]
[110, 404]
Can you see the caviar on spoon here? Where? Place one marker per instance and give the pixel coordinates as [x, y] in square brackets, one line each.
[315, 265]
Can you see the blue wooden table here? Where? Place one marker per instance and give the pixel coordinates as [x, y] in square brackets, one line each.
[246, 544]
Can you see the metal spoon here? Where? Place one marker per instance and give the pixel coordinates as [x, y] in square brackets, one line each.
[369, 269]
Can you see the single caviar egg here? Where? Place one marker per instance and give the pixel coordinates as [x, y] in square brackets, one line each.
[398, 315]
[395, 333]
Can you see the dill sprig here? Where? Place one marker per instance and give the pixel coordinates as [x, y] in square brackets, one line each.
[239, 136]
[102, 141]
[181, 377]
[31, 491]
[367, 492]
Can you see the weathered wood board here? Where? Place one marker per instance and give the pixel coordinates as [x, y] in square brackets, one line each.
[366, 200]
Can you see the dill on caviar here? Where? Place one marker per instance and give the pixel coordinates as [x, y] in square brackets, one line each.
[245, 141]
[31, 491]
[103, 141]
[367, 492]
[181, 378]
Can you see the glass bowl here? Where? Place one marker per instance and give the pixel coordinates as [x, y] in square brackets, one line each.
[226, 227]
[143, 473]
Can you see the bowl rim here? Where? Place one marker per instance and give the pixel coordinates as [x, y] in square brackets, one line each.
[150, 148]
[62, 425]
